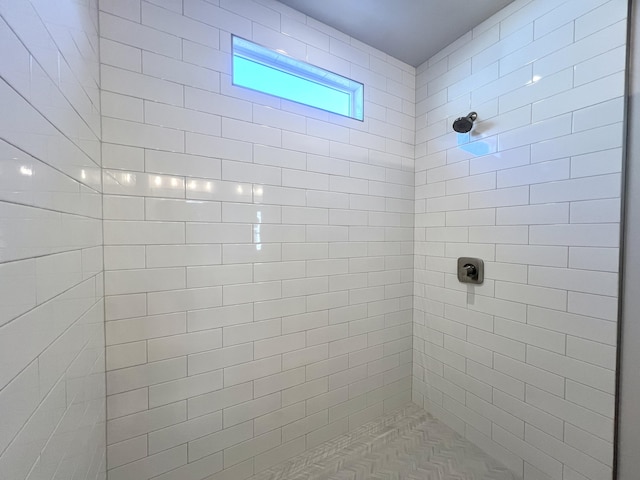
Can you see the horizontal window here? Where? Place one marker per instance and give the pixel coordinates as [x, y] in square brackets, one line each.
[270, 72]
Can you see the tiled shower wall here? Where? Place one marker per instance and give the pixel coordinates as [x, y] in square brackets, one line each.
[523, 365]
[52, 380]
[258, 253]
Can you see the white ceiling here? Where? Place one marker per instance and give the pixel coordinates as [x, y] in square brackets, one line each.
[409, 30]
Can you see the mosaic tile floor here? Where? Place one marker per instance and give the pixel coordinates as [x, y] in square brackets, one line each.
[406, 445]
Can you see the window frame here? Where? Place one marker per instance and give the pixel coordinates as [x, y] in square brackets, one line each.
[279, 61]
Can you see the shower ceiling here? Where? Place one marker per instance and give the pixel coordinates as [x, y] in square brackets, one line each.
[410, 30]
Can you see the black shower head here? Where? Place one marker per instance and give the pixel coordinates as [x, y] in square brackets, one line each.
[464, 124]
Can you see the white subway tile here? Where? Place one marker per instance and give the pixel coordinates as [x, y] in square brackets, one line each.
[181, 118]
[128, 451]
[250, 332]
[593, 305]
[199, 144]
[284, 381]
[602, 283]
[536, 89]
[468, 383]
[605, 186]
[140, 233]
[596, 400]
[535, 457]
[532, 295]
[583, 49]
[543, 173]
[186, 299]
[219, 358]
[531, 375]
[589, 444]
[123, 208]
[120, 55]
[250, 132]
[579, 143]
[599, 18]
[580, 97]
[183, 72]
[576, 235]
[499, 234]
[142, 184]
[137, 85]
[279, 308]
[179, 345]
[500, 160]
[126, 355]
[497, 343]
[184, 388]
[152, 465]
[210, 102]
[599, 66]
[496, 379]
[218, 233]
[123, 157]
[533, 255]
[588, 374]
[536, 132]
[235, 294]
[127, 403]
[572, 324]
[142, 328]
[282, 344]
[598, 115]
[502, 197]
[250, 410]
[530, 335]
[148, 280]
[493, 306]
[251, 253]
[533, 214]
[530, 414]
[576, 459]
[144, 422]
[121, 106]
[21, 398]
[124, 257]
[170, 163]
[219, 399]
[219, 317]
[181, 255]
[252, 370]
[250, 448]
[179, 25]
[216, 442]
[193, 470]
[218, 17]
[137, 35]
[279, 418]
[596, 211]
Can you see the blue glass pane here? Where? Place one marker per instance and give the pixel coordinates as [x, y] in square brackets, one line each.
[269, 80]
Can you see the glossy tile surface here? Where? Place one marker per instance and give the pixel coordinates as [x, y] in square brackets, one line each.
[258, 253]
[534, 190]
[52, 374]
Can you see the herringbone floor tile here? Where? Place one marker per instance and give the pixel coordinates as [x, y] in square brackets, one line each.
[406, 445]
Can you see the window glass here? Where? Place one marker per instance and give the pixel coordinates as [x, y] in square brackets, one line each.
[270, 72]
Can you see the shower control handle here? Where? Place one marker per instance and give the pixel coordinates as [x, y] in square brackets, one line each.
[471, 270]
